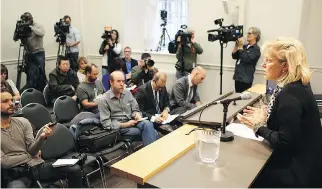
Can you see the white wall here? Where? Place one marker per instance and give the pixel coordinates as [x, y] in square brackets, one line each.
[292, 18]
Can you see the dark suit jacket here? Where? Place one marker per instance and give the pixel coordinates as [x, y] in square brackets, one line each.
[145, 99]
[294, 131]
[133, 63]
[179, 94]
[244, 71]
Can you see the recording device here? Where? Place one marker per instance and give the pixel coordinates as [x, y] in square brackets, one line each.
[225, 33]
[185, 39]
[52, 124]
[107, 35]
[61, 29]
[185, 36]
[22, 31]
[164, 15]
[148, 62]
[243, 96]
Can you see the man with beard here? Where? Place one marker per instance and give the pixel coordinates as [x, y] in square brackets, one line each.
[20, 149]
[90, 91]
[119, 110]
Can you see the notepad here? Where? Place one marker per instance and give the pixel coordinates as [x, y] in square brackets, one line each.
[65, 162]
[169, 119]
[243, 131]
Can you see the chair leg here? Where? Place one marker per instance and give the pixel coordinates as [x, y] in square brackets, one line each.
[101, 172]
[61, 182]
[38, 183]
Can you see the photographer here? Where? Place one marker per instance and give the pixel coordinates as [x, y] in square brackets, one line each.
[247, 57]
[72, 42]
[189, 56]
[143, 72]
[110, 48]
[35, 55]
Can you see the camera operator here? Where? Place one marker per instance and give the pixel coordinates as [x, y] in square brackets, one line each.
[35, 55]
[247, 57]
[110, 48]
[72, 42]
[144, 71]
[189, 56]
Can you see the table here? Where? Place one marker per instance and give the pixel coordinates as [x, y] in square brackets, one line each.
[172, 162]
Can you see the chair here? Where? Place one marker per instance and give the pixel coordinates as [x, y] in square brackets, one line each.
[61, 145]
[106, 81]
[37, 115]
[32, 96]
[49, 102]
[65, 109]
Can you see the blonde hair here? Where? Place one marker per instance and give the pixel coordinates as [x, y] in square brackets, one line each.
[291, 51]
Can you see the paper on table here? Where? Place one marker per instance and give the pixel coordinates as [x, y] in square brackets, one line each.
[243, 131]
[65, 162]
[169, 119]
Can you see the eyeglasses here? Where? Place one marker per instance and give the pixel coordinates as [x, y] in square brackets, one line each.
[127, 51]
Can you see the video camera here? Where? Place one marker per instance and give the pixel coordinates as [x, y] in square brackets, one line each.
[225, 33]
[148, 62]
[185, 36]
[107, 35]
[22, 31]
[61, 30]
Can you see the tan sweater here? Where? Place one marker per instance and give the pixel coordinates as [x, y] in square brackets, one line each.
[18, 144]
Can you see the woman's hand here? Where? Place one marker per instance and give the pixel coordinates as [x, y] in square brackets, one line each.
[254, 117]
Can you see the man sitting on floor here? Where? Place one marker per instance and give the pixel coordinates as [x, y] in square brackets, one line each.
[119, 110]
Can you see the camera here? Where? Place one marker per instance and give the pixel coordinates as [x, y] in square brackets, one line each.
[107, 35]
[225, 33]
[61, 29]
[185, 36]
[22, 31]
[148, 62]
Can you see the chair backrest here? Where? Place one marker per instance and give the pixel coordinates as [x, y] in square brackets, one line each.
[32, 96]
[106, 81]
[37, 114]
[65, 109]
[59, 144]
[46, 96]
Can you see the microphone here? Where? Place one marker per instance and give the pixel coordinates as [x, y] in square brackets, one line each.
[243, 96]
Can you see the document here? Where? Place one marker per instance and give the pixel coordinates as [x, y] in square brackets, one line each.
[65, 162]
[145, 118]
[242, 130]
[169, 119]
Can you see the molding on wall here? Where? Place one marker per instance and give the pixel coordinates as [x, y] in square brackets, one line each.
[14, 61]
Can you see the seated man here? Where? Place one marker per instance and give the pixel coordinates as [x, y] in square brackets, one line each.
[119, 110]
[130, 63]
[62, 80]
[153, 98]
[184, 95]
[89, 91]
[20, 148]
[143, 72]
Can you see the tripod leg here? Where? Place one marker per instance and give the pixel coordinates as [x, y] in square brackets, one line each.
[168, 34]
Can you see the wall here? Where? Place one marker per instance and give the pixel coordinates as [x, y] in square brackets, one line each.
[274, 18]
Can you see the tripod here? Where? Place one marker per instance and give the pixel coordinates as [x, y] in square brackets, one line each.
[62, 50]
[162, 37]
[21, 64]
[221, 63]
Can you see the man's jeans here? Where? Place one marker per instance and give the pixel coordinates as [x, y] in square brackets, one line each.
[145, 129]
[73, 58]
[181, 74]
[35, 70]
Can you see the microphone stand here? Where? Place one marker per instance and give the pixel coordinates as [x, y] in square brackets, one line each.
[226, 136]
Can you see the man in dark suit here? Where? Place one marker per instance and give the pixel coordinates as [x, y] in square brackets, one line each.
[129, 62]
[153, 98]
[184, 95]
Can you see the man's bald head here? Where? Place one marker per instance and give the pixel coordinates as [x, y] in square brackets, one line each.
[117, 81]
[198, 74]
[160, 80]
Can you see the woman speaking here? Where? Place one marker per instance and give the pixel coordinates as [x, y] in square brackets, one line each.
[290, 122]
